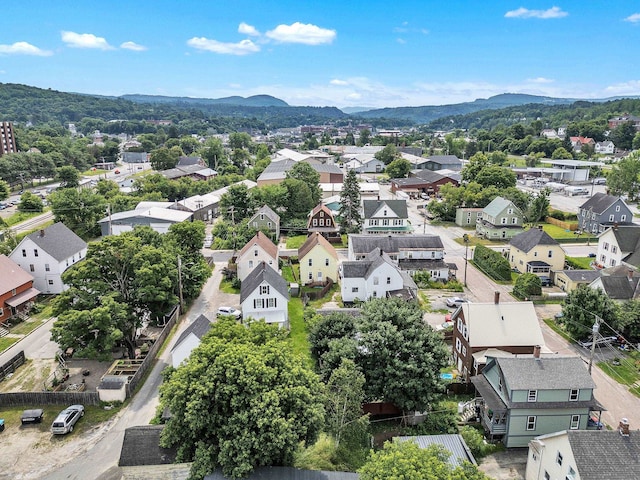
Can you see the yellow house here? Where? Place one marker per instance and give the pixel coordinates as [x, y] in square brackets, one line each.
[534, 251]
[318, 260]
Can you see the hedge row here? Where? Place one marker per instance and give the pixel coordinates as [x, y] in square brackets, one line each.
[492, 263]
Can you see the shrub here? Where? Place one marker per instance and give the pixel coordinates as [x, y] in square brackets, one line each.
[527, 285]
[492, 263]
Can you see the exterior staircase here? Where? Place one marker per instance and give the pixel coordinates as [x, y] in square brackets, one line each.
[467, 411]
[3, 332]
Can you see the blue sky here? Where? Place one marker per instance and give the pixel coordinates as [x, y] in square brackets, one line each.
[340, 53]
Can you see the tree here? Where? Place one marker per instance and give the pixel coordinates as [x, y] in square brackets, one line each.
[499, 177]
[305, 172]
[235, 204]
[365, 137]
[300, 199]
[399, 168]
[628, 319]
[407, 461]
[78, 209]
[213, 152]
[624, 177]
[472, 169]
[561, 153]
[582, 306]
[242, 400]
[350, 217]
[400, 357]
[527, 285]
[163, 159]
[239, 140]
[498, 157]
[622, 136]
[327, 328]
[388, 154]
[5, 191]
[538, 207]
[68, 177]
[30, 203]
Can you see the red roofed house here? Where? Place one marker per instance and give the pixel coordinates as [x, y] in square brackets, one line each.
[578, 142]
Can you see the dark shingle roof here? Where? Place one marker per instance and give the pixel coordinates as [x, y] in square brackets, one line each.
[445, 159]
[528, 239]
[582, 275]
[365, 267]
[199, 327]
[58, 241]
[399, 207]
[619, 287]
[268, 211]
[545, 373]
[263, 273]
[392, 244]
[599, 202]
[141, 446]
[628, 239]
[289, 473]
[618, 457]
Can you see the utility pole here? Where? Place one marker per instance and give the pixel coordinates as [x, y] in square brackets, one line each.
[109, 215]
[594, 337]
[465, 237]
[180, 297]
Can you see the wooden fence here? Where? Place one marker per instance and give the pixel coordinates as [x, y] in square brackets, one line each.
[48, 398]
[316, 294]
[12, 365]
[571, 226]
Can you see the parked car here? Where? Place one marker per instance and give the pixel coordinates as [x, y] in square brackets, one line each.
[601, 341]
[545, 281]
[32, 416]
[229, 311]
[66, 419]
[455, 301]
[599, 181]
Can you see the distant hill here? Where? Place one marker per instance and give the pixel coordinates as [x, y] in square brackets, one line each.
[253, 101]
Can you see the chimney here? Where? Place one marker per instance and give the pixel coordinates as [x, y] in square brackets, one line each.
[536, 352]
[623, 427]
[496, 297]
[630, 275]
[42, 233]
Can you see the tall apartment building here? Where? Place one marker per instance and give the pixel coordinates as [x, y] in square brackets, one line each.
[7, 139]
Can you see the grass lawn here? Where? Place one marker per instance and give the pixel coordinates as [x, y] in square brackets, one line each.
[296, 241]
[474, 241]
[627, 373]
[558, 232]
[227, 287]
[6, 343]
[24, 328]
[291, 272]
[558, 329]
[94, 173]
[298, 331]
[583, 263]
[22, 216]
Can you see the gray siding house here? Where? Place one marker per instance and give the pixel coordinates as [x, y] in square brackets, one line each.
[603, 211]
[266, 219]
[501, 219]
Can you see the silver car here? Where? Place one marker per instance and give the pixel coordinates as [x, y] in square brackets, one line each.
[66, 419]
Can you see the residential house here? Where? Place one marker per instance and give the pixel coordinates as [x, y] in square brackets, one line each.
[617, 121]
[189, 339]
[187, 161]
[375, 276]
[385, 216]
[276, 172]
[510, 327]
[201, 207]
[579, 142]
[363, 163]
[524, 397]
[605, 148]
[423, 182]
[439, 162]
[322, 221]
[266, 219]
[264, 294]
[619, 245]
[549, 133]
[454, 444]
[499, 220]
[619, 283]
[534, 251]
[602, 211]
[257, 250]
[158, 218]
[585, 454]
[467, 216]
[318, 260]
[47, 254]
[569, 280]
[412, 253]
[16, 289]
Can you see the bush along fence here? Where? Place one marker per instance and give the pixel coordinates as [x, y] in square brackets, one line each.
[492, 263]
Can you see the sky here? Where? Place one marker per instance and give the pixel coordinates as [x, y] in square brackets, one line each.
[325, 53]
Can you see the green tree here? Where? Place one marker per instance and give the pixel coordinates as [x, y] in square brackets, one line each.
[399, 168]
[213, 152]
[235, 204]
[476, 163]
[527, 285]
[350, 217]
[5, 191]
[538, 206]
[30, 203]
[496, 176]
[78, 209]
[561, 153]
[242, 400]
[497, 157]
[300, 199]
[305, 172]
[68, 176]
[239, 140]
[581, 307]
[628, 319]
[388, 154]
[365, 137]
[327, 328]
[622, 136]
[163, 158]
[624, 177]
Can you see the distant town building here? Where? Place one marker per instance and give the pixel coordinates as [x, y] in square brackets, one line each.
[7, 139]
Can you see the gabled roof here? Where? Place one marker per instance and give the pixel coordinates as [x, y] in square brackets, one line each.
[364, 268]
[184, 161]
[263, 273]
[502, 324]
[582, 275]
[156, 213]
[628, 240]
[545, 373]
[11, 275]
[141, 446]
[618, 287]
[531, 238]
[58, 241]
[497, 205]
[320, 207]
[454, 443]
[618, 456]
[599, 203]
[261, 240]
[316, 240]
[399, 207]
[268, 212]
[199, 327]
[444, 159]
[392, 244]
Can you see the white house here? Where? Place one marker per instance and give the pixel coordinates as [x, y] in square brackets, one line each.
[375, 276]
[257, 250]
[606, 148]
[619, 245]
[385, 216]
[189, 340]
[264, 295]
[46, 254]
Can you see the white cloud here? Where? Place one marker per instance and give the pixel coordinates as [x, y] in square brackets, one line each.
[85, 40]
[635, 18]
[625, 88]
[401, 41]
[539, 80]
[243, 47]
[297, 32]
[23, 48]
[247, 29]
[337, 81]
[553, 12]
[133, 46]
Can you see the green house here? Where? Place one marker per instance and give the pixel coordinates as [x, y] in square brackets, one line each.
[521, 398]
[500, 220]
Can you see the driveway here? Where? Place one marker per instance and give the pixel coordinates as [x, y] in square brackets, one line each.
[506, 465]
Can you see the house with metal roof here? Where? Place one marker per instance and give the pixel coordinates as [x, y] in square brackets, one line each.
[276, 172]
[439, 162]
[534, 251]
[47, 254]
[619, 245]
[260, 249]
[521, 398]
[189, 339]
[202, 207]
[385, 216]
[603, 211]
[585, 454]
[264, 295]
[459, 452]
[159, 219]
[500, 220]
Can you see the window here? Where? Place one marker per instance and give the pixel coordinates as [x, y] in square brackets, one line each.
[464, 351]
[376, 280]
[322, 214]
[35, 252]
[617, 208]
[559, 459]
[326, 262]
[311, 262]
[623, 218]
[574, 394]
[24, 252]
[510, 211]
[374, 223]
[531, 422]
[264, 289]
[50, 282]
[514, 220]
[388, 280]
[250, 263]
[354, 289]
[535, 254]
[255, 224]
[605, 245]
[503, 220]
[255, 253]
[458, 345]
[384, 213]
[611, 217]
[575, 422]
[310, 275]
[571, 474]
[612, 262]
[46, 267]
[397, 222]
[32, 268]
[13, 292]
[269, 224]
[258, 303]
[1, 311]
[533, 396]
[322, 222]
[385, 222]
[262, 216]
[614, 249]
[550, 253]
[546, 475]
[315, 222]
[272, 302]
[500, 383]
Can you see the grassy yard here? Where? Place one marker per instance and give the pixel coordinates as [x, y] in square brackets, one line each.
[298, 330]
[626, 372]
[558, 232]
[474, 241]
[22, 216]
[583, 263]
[226, 286]
[296, 242]
[6, 343]
[24, 328]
